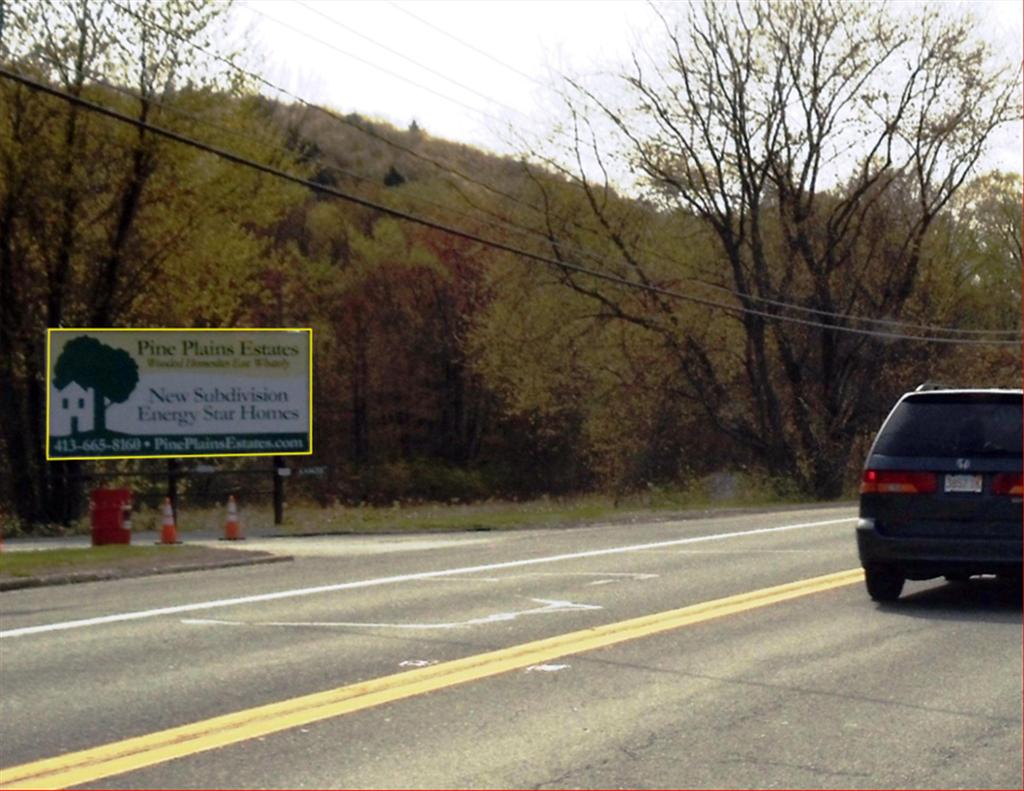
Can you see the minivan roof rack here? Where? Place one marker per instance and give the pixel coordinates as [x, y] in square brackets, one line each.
[932, 386]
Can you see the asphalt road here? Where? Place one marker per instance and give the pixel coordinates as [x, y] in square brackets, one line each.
[674, 655]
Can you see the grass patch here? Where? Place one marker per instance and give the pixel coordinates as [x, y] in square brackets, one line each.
[36, 563]
[301, 518]
[716, 492]
[436, 518]
[504, 515]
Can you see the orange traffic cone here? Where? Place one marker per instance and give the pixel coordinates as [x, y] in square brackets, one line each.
[168, 532]
[232, 527]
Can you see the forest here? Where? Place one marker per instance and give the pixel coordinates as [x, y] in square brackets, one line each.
[731, 257]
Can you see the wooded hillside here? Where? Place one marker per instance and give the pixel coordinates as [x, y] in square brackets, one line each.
[520, 327]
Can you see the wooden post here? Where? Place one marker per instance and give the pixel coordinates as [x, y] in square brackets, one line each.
[279, 474]
[172, 486]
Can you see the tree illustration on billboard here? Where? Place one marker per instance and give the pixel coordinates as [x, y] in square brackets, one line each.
[110, 374]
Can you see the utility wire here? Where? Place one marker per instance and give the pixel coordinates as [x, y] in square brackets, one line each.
[520, 230]
[444, 168]
[424, 222]
[893, 323]
[587, 254]
[490, 219]
[379, 68]
[309, 7]
[466, 44]
[236, 134]
[365, 130]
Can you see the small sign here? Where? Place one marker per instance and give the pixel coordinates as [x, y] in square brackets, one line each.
[169, 393]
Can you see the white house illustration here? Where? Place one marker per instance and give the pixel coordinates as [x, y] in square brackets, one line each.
[71, 411]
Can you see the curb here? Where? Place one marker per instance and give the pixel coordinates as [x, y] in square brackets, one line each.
[74, 578]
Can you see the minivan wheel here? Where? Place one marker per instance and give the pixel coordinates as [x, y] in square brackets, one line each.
[884, 583]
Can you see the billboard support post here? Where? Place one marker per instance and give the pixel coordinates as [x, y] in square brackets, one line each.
[172, 487]
[279, 469]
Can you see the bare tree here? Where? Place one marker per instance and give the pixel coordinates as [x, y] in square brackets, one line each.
[817, 142]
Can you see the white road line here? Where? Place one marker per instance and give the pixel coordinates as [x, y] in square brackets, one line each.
[560, 574]
[550, 606]
[748, 551]
[547, 668]
[295, 592]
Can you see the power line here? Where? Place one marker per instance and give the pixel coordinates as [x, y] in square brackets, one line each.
[424, 222]
[239, 135]
[379, 68]
[597, 259]
[309, 7]
[449, 169]
[466, 44]
[444, 168]
[363, 129]
[893, 323]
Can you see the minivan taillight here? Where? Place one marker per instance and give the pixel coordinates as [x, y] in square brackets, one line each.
[1008, 483]
[898, 482]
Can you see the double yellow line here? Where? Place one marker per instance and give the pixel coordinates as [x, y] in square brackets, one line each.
[128, 755]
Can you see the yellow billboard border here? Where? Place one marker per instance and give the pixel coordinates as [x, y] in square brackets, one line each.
[49, 386]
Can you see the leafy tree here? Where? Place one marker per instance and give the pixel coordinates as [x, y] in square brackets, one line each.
[811, 154]
[393, 302]
[984, 239]
[110, 373]
[971, 277]
[590, 368]
[103, 224]
[393, 178]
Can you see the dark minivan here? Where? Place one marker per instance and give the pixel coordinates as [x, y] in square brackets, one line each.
[941, 493]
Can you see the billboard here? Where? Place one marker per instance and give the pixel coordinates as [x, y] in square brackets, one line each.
[147, 393]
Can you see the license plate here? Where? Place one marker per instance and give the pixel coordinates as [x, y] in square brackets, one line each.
[963, 483]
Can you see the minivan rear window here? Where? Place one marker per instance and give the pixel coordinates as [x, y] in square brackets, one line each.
[953, 425]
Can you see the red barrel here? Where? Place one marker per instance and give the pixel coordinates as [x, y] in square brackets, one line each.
[110, 514]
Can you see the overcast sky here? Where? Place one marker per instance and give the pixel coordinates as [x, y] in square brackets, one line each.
[464, 70]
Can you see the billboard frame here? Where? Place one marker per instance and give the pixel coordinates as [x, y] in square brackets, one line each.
[48, 438]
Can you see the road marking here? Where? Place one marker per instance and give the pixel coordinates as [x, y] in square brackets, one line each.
[752, 551]
[550, 606]
[561, 574]
[86, 766]
[634, 575]
[292, 593]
